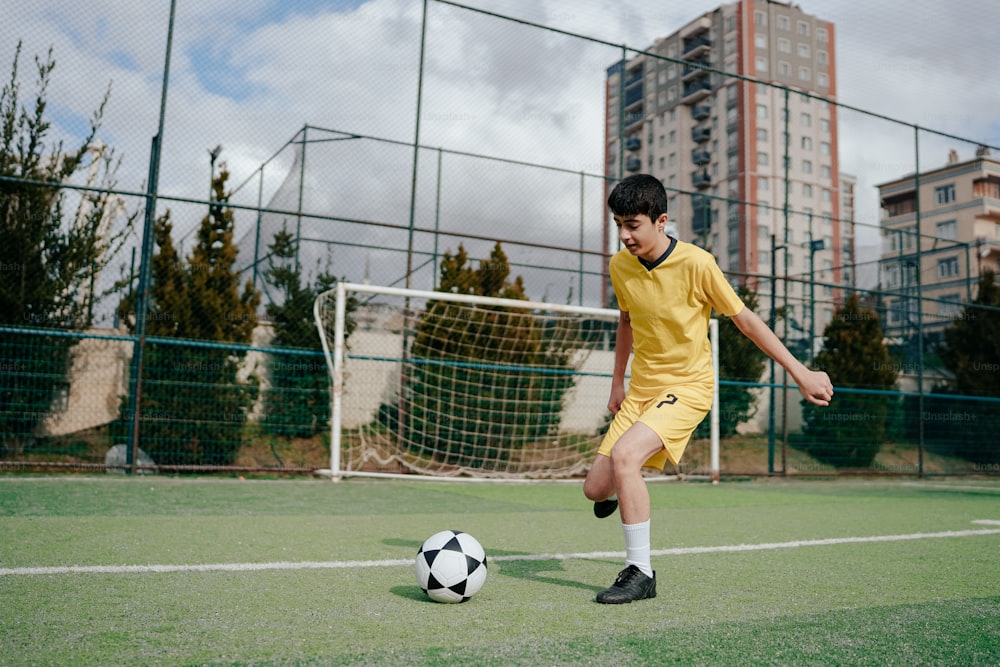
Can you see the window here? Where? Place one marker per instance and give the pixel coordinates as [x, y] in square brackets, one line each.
[805, 74]
[759, 18]
[947, 268]
[761, 112]
[946, 230]
[807, 190]
[761, 134]
[760, 40]
[807, 167]
[784, 45]
[806, 119]
[944, 194]
[662, 164]
[824, 171]
[784, 23]
[821, 58]
[672, 136]
[891, 274]
[804, 51]
[807, 143]
[673, 159]
[950, 306]
[824, 148]
[821, 35]
[762, 184]
[672, 72]
[762, 159]
[784, 69]
[761, 64]
[827, 195]
[986, 187]
[803, 28]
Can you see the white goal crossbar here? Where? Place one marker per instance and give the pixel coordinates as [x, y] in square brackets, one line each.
[334, 342]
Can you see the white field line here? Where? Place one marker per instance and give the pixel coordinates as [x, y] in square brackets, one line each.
[340, 565]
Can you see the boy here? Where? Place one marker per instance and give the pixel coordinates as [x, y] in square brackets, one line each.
[666, 291]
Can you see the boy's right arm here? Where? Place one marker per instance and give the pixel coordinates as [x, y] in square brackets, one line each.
[623, 349]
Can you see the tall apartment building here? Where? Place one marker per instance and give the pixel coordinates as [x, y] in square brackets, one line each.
[692, 111]
[954, 211]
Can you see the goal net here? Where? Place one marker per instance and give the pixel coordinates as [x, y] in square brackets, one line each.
[455, 385]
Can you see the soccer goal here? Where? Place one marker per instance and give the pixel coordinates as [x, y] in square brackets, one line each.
[450, 385]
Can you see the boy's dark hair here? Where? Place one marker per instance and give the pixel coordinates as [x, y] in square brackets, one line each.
[639, 194]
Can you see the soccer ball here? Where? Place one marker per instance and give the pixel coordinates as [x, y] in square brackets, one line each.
[450, 566]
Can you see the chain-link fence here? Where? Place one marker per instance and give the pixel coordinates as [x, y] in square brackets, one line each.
[160, 317]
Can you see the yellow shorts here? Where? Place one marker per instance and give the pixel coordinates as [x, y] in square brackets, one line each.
[674, 414]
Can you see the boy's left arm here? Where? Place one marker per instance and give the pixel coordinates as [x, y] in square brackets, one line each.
[814, 385]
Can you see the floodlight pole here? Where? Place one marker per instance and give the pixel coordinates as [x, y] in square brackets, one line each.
[772, 319]
[416, 149]
[146, 260]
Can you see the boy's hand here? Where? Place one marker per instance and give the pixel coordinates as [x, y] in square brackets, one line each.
[617, 396]
[816, 387]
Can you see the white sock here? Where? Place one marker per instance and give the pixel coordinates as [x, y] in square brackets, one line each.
[637, 546]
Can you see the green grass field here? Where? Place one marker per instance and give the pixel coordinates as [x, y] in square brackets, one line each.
[177, 571]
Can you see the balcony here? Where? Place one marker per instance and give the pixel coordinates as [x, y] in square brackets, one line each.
[633, 94]
[701, 179]
[700, 135]
[633, 144]
[696, 46]
[696, 90]
[701, 111]
[633, 75]
[702, 24]
[700, 156]
[694, 68]
[633, 164]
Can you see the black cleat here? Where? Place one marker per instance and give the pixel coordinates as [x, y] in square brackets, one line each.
[605, 508]
[630, 585]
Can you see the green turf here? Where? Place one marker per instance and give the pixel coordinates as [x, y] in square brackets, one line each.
[933, 601]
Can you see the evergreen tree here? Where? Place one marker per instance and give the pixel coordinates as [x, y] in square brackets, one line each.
[50, 254]
[849, 432]
[971, 353]
[298, 401]
[468, 391]
[971, 350]
[193, 405]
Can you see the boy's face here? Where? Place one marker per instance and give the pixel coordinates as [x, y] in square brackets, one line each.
[643, 237]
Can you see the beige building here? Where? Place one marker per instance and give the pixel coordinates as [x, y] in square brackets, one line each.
[690, 111]
[955, 212]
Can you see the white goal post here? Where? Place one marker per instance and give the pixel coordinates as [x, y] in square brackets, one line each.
[459, 386]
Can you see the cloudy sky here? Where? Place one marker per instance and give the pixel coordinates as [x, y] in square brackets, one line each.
[249, 75]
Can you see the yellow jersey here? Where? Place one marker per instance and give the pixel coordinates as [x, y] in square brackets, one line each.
[669, 304]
